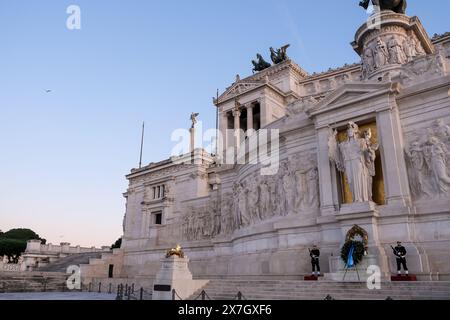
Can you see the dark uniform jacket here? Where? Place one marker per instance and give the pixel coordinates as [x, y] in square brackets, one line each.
[315, 253]
[400, 251]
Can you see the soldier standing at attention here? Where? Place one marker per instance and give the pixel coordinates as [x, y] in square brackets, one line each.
[315, 254]
[400, 254]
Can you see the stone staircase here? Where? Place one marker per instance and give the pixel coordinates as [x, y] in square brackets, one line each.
[74, 259]
[32, 282]
[221, 289]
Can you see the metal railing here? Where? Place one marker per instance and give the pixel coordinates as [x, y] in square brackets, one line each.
[204, 296]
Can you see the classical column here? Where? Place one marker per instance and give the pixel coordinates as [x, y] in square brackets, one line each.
[192, 143]
[237, 119]
[223, 136]
[266, 111]
[249, 116]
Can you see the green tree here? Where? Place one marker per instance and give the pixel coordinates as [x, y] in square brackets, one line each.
[12, 248]
[117, 244]
[21, 234]
[14, 242]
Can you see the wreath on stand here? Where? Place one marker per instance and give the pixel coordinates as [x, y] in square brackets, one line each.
[358, 251]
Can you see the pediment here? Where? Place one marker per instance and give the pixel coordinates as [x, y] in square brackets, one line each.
[352, 93]
[239, 88]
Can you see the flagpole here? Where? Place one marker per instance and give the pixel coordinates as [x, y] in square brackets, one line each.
[142, 145]
[217, 121]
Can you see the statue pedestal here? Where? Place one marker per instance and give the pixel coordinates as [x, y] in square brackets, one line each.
[175, 274]
[357, 210]
[337, 266]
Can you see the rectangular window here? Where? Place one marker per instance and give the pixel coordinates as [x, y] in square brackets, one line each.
[159, 192]
[158, 218]
[111, 271]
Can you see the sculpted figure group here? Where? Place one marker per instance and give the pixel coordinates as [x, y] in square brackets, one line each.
[292, 191]
[429, 163]
[257, 198]
[390, 51]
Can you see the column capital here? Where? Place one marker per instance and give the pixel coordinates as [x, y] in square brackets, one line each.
[237, 111]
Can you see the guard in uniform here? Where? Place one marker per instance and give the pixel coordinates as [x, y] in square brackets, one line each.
[400, 254]
[315, 254]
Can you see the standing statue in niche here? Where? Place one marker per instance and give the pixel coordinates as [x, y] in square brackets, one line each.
[398, 6]
[350, 157]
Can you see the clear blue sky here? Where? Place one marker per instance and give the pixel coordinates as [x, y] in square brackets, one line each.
[64, 154]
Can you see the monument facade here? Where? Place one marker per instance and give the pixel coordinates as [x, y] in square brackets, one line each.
[367, 144]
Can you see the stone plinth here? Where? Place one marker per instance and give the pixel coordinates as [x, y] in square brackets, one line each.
[175, 274]
[398, 278]
[357, 210]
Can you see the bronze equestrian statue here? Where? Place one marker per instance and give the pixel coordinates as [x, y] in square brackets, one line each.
[398, 6]
[260, 64]
[279, 55]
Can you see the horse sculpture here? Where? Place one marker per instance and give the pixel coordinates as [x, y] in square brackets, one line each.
[175, 252]
[279, 55]
[398, 6]
[260, 64]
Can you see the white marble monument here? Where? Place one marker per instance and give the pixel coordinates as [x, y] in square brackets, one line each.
[366, 144]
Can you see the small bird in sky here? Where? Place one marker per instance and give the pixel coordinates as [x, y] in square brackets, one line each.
[48, 91]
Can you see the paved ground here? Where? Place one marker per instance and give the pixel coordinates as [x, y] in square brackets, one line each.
[56, 296]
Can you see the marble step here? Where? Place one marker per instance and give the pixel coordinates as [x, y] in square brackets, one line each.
[367, 292]
[239, 288]
[324, 294]
[301, 290]
[321, 293]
